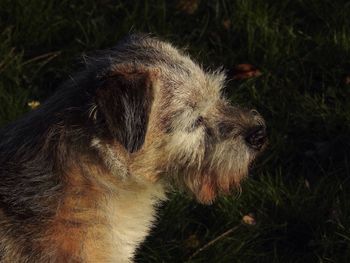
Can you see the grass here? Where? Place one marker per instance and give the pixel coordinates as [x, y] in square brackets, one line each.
[299, 192]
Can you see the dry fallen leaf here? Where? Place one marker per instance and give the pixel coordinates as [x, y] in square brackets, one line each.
[226, 23]
[249, 219]
[244, 71]
[307, 184]
[33, 104]
[347, 80]
[188, 6]
[192, 241]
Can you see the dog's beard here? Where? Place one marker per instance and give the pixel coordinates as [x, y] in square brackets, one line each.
[206, 185]
[218, 172]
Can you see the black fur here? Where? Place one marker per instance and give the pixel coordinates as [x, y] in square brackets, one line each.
[36, 150]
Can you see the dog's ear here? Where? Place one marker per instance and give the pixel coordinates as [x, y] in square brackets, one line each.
[125, 99]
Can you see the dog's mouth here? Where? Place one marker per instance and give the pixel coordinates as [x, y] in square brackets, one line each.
[213, 185]
[207, 191]
[219, 174]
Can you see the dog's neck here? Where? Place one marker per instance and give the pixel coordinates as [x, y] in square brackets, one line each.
[103, 207]
[125, 165]
[116, 164]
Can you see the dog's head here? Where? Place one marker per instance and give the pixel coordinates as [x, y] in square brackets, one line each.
[172, 120]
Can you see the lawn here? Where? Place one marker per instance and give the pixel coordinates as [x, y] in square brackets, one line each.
[295, 207]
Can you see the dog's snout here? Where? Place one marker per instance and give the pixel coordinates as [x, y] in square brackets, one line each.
[256, 137]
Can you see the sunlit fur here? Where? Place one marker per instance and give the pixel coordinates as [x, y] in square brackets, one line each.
[82, 176]
[189, 157]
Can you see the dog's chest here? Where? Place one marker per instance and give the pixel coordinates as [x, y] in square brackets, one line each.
[104, 227]
[130, 216]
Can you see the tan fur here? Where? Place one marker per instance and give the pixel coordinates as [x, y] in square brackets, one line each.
[103, 218]
[187, 137]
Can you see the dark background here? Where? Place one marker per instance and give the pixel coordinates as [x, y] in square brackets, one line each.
[295, 206]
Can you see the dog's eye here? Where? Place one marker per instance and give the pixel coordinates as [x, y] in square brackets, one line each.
[198, 122]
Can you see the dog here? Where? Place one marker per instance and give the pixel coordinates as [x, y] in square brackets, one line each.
[82, 175]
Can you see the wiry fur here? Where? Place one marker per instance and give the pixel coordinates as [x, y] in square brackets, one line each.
[82, 175]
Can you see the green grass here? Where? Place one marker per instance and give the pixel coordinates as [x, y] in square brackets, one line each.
[299, 192]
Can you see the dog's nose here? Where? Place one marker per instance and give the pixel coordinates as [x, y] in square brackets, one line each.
[256, 138]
